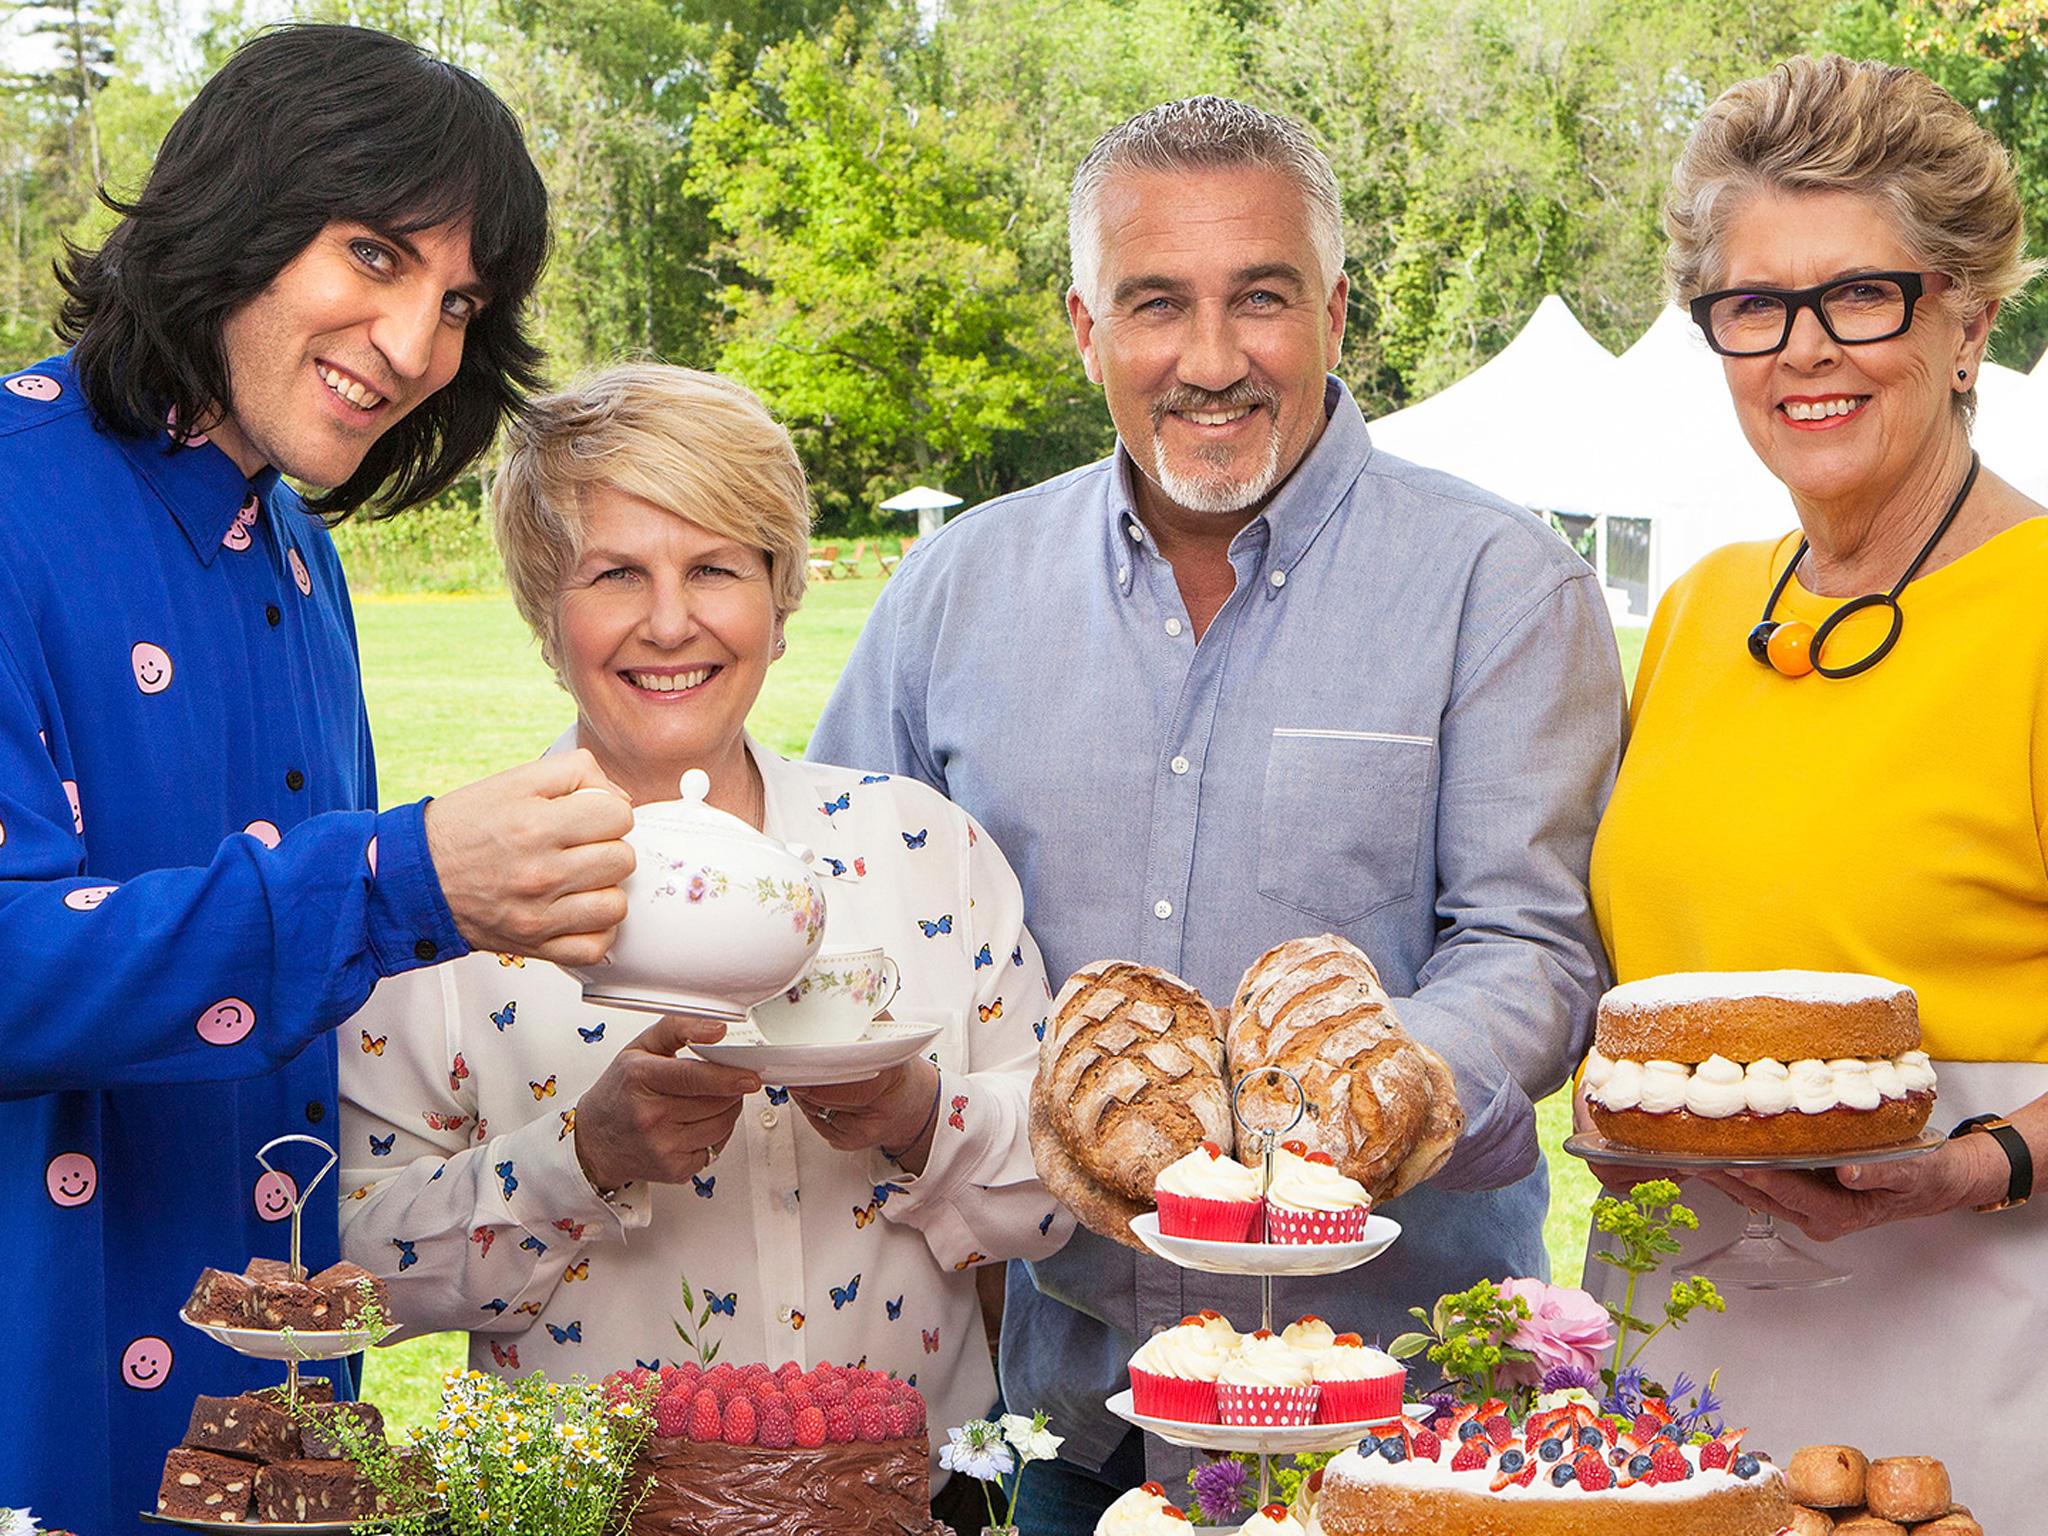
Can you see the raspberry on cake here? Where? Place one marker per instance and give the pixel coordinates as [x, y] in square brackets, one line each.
[1759, 1064]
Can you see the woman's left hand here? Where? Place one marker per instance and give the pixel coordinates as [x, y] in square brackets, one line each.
[893, 1111]
[1962, 1174]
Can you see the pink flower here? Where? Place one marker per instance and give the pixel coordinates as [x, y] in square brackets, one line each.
[696, 888]
[1565, 1326]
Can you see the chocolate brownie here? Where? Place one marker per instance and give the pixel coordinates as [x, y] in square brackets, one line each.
[319, 1441]
[312, 1389]
[221, 1299]
[298, 1491]
[263, 1271]
[243, 1426]
[289, 1304]
[204, 1485]
[343, 1284]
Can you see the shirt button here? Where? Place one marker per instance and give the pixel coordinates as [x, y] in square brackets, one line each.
[1278, 578]
[315, 1112]
[1123, 574]
[1179, 765]
[426, 949]
[1173, 626]
[769, 1119]
[1137, 534]
[274, 614]
[784, 1315]
[1162, 909]
[295, 781]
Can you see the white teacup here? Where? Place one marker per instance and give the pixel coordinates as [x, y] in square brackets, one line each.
[832, 1002]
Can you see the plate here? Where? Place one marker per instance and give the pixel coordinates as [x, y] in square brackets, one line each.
[1595, 1148]
[1214, 1258]
[813, 1066]
[310, 1528]
[1243, 1437]
[286, 1344]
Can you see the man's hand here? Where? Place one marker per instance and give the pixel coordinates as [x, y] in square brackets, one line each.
[530, 866]
[655, 1115]
[892, 1111]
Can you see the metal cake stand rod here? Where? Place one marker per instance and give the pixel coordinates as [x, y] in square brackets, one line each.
[296, 1266]
[1269, 1140]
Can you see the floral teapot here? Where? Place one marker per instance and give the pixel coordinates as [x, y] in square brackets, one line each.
[719, 917]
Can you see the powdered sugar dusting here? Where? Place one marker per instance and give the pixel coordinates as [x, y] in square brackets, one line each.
[1734, 986]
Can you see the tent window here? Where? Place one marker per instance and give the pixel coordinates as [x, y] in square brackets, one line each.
[1628, 561]
[1582, 533]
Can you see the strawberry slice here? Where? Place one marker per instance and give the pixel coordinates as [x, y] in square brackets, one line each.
[1472, 1455]
[1500, 1432]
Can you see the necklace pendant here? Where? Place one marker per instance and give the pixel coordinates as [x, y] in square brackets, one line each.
[1760, 641]
[1790, 649]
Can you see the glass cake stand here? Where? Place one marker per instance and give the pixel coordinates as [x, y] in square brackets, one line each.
[1263, 1260]
[1760, 1259]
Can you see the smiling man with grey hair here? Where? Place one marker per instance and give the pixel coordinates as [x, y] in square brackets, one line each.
[1276, 683]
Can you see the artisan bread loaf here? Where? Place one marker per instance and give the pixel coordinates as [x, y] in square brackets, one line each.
[1132, 1074]
[1379, 1103]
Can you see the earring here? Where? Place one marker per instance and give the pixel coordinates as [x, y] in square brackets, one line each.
[1963, 374]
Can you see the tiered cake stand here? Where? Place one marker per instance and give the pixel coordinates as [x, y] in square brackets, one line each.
[1265, 1260]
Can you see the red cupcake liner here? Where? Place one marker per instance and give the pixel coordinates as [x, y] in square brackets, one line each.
[1359, 1402]
[1212, 1221]
[1173, 1397]
[1284, 1226]
[1266, 1407]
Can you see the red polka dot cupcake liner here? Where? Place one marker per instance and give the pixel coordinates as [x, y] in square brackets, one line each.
[1360, 1402]
[1283, 1226]
[1266, 1407]
[1212, 1221]
[1173, 1397]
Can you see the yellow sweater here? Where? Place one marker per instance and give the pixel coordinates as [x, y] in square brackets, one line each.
[1891, 823]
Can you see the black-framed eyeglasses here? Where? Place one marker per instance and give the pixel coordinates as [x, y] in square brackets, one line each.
[1871, 306]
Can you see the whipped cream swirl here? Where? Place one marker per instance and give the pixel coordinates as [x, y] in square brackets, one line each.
[1718, 1088]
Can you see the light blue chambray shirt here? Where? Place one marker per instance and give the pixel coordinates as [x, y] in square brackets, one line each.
[1401, 727]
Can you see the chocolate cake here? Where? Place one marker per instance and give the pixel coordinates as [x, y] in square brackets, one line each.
[265, 1295]
[220, 1298]
[280, 1304]
[248, 1426]
[343, 1284]
[299, 1491]
[205, 1485]
[749, 1490]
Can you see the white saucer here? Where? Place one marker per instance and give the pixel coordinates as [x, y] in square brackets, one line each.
[1267, 1258]
[309, 1528]
[885, 1045]
[1290, 1441]
[287, 1343]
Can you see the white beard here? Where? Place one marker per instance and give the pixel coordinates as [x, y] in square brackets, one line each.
[1215, 493]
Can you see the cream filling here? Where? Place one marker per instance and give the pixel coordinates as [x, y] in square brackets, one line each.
[1718, 1088]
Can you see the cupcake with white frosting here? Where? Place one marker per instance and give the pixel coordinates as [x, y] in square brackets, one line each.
[1173, 1374]
[1209, 1196]
[1273, 1520]
[1310, 1334]
[1268, 1382]
[1311, 1202]
[1357, 1383]
[1143, 1511]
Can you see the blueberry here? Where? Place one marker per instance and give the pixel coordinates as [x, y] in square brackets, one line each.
[1591, 1439]
[1564, 1472]
[1393, 1449]
[1747, 1465]
[1617, 1458]
[1468, 1429]
[1512, 1461]
[1550, 1449]
[1369, 1444]
[1638, 1465]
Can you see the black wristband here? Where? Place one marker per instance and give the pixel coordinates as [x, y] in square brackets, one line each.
[2021, 1184]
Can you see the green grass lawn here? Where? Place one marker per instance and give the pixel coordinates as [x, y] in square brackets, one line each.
[457, 690]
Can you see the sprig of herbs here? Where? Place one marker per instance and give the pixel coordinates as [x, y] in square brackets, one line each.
[699, 1315]
[1466, 1337]
[1642, 1227]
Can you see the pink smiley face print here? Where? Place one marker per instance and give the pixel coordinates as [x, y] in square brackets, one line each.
[72, 1179]
[71, 794]
[300, 574]
[146, 1364]
[34, 386]
[227, 1022]
[86, 897]
[276, 1194]
[237, 536]
[370, 853]
[265, 832]
[196, 440]
[152, 664]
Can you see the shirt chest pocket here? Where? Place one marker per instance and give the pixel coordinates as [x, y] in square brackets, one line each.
[1342, 820]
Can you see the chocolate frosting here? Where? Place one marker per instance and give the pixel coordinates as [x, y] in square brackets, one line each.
[697, 1489]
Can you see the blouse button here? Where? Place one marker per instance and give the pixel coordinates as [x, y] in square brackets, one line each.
[273, 614]
[784, 1315]
[294, 781]
[426, 950]
[315, 1112]
[769, 1119]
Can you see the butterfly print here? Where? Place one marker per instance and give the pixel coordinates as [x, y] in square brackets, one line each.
[931, 1340]
[591, 1036]
[575, 1229]
[534, 1246]
[958, 1119]
[361, 1193]
[437, 1173]
[874, 778]
[895, 1309]
[722, 1304]
[483, 1129]
[573, 1334]
[580, 1270]
[884, 1191]
[862, 1215]
[529, 1309]
[842, 1294]
[910, 1380]
[983, 957]
[775, 1095]
[457, 1071]
[1017, 955]
[373, 1047]
[989, 1011]
[518, 960]
[648, 1365]
[916, 839]
[1038, 1029]
[483, 1237]
[406, 1257]
[933, 930]
[495, 1306]
[837, 866]
[1045, 1223]
[860, 866]
[833, 807]
[568, 1117]
[440, 1122]
[504, 1016]
[380, 1146]
[504, 1171]
[796, 1319]
[544, 1090]
[507, 1355]
[704, 1187]
[970, 1261]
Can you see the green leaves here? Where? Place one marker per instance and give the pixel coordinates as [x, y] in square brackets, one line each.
[1644, 1224]
[699, 1314]
[1467, 1336]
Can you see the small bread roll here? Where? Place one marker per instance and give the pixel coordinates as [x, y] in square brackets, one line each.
[1827, 1476]
[1810, 1522]
[1863, 1523]
[1907, 1488]
[1956, 1522]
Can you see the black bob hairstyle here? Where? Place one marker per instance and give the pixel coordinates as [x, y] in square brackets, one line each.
[304, 126]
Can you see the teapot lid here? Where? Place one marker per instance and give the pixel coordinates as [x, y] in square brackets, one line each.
[689, 809]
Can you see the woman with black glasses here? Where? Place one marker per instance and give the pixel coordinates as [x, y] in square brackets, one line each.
[1839, 758]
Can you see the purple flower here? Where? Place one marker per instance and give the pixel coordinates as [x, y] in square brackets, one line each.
[1627, 1397]
[1562, 1378]
[1699, 1418]
[1219, 1488]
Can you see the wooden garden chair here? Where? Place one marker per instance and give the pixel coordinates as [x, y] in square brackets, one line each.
[889, 561]
[851, 565]
[824, 562]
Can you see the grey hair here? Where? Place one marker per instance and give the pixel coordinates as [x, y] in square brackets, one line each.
[1203, 133]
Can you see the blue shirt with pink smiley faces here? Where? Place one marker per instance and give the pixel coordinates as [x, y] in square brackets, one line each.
[195, 890]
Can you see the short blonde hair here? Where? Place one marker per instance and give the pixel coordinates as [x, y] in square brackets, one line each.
[694, 444]
[1830, 124]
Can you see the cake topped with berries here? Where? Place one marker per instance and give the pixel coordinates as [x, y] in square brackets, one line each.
[1568, 1470]
[747, 1449]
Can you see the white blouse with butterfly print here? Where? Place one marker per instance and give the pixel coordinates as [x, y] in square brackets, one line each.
[461, 1185]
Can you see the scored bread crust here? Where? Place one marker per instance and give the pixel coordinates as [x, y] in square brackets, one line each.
[1747, 1029]
[1791, 1134]
[1101, 1211]
[1382, 1105]
[1133, 1070]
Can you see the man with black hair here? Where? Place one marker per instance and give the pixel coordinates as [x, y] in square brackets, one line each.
[322, 279]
